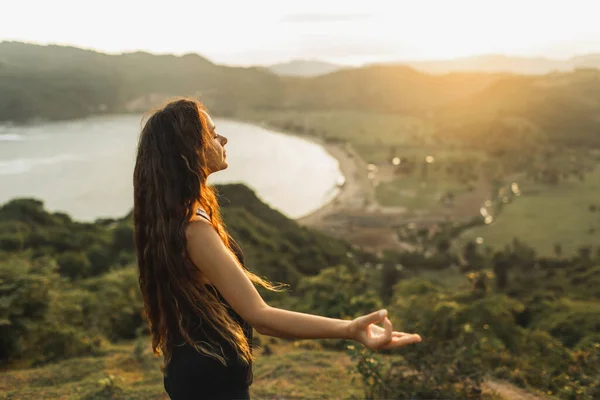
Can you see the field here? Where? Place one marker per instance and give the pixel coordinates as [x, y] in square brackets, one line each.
[414, 194]
[129, 371]
[374, 135]
[545, 215]
[294, 370]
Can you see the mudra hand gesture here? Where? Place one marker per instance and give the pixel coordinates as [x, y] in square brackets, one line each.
[364, 330]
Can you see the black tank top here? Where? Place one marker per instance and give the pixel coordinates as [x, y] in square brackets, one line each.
[191, 375]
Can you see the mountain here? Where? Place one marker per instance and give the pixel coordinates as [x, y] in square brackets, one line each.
[563, 105]
[491, 63]
[585, 61]
[305, 68]
[382, 88]
[55, 82]
[89, 82]
[502, 63]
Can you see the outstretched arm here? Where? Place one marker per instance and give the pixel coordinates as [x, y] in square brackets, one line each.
[216, 262]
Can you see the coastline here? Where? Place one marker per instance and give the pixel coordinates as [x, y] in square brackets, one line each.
[348, 196]
[352, 195]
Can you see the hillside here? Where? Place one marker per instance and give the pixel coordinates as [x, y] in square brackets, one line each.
[274, 245]
[489, 63]
[91, 82]
[68, 286]
[562, 105]
[70, 302]
[305, 68]
[495, 63]
[296, 370]
[383, 89]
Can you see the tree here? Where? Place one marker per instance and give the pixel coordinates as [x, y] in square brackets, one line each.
[474, 260]
[337, 292]
[99, 258]
[557, 249]
[500, 265]
[123, 238]
[74, 265]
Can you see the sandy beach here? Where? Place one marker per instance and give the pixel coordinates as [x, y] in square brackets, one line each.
[356, 191]
[354, 213]
[352, 195]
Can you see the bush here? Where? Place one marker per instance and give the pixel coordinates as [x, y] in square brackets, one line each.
[336, 292]
[100, 259]
[432, 369]
[570, 321]
[25, 297]
[117, 309]
[74, 265]
[56, 342]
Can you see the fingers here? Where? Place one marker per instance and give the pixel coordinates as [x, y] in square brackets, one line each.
[386, 335]
[378, 316]
[373, 318]
[387, 325]
[400, 341]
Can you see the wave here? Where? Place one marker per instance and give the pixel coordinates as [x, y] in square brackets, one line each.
[11, 137]
[22, 165]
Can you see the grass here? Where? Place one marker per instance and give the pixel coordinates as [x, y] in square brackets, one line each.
[119, 374]
[301, 369]
[448, 278]
[373, 134]
[415, 194]
[294, 369]
[547, 214]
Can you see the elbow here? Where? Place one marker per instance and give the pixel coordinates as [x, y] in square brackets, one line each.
[259, 320]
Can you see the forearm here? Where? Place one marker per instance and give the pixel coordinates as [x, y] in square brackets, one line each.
[295, 325]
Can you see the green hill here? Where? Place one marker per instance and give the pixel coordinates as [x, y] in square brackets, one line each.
[89, 280]
[564, 106]
[69, 291]
[55, 82]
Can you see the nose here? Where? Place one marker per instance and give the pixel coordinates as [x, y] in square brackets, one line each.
[224, 140]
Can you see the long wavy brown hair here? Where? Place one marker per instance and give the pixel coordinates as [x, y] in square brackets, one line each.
[170, 183]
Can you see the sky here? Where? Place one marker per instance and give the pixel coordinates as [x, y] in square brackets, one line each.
[260, 32]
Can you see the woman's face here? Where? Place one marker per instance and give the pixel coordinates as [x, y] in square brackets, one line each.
[216, 157]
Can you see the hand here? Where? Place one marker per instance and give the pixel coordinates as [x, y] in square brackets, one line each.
[364, 330]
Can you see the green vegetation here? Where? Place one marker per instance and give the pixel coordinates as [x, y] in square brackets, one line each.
[473, 109]
[376, 136]
[94, 83]
[301, 369]
[415, 194]
[67, 286]
[547, 217]
[129, 371]
[69, 298]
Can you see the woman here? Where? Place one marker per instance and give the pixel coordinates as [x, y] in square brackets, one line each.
[199, 297]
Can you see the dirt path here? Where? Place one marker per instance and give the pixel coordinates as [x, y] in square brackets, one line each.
[509, 391]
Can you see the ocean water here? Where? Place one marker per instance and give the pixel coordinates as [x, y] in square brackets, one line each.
[85, 167]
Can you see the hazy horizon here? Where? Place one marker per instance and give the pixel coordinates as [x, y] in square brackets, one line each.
[263, 33]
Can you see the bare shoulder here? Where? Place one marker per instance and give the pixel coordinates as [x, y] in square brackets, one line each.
[220, 267]
[198, 227]
[202, 240]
